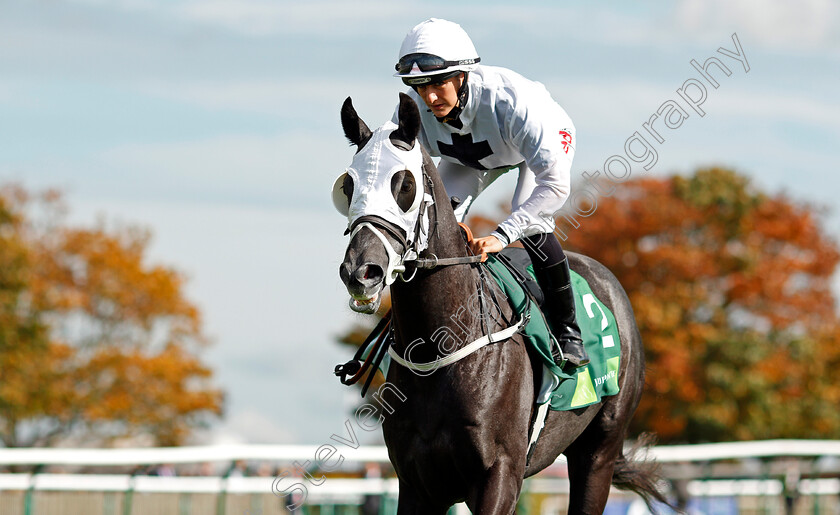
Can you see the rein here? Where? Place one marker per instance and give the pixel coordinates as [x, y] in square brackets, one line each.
[435, 261]
[382, 335]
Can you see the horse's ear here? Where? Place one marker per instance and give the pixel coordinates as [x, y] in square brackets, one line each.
[409, 122]
[354, 128]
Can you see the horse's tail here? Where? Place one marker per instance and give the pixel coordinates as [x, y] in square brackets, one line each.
[637, 474]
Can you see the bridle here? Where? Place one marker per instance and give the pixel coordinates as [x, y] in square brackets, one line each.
[398, 263]
[383, 334]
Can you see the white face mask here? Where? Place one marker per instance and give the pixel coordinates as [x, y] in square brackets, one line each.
[372, 170]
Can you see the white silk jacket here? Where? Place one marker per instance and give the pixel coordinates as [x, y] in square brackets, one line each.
[509, 122]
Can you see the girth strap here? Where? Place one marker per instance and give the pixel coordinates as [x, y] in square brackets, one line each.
[461, 353]
[536, 429]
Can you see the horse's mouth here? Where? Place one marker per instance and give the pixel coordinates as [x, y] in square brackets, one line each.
[367, 305]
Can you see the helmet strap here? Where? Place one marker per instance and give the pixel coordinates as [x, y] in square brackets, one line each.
[453, 117]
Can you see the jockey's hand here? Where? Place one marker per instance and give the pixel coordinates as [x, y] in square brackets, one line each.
[488, 244]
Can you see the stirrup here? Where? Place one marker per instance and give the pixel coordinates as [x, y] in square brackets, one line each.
[564, 358]
[576, 362]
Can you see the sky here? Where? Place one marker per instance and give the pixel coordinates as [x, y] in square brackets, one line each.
[215, 124]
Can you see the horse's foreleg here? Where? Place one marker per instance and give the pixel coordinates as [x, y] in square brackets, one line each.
[498, 493]
[591, 465]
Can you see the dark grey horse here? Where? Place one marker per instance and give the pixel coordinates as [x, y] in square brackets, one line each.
[462, 432]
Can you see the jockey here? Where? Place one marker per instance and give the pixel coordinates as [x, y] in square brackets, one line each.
[483, 121]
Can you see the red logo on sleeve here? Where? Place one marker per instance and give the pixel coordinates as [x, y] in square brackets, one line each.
[567, 140]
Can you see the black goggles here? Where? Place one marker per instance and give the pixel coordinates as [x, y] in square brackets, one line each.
[429, 63]
[429, 80]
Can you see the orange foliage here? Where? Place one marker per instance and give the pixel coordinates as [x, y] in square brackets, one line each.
[95, 343]
[731, 289]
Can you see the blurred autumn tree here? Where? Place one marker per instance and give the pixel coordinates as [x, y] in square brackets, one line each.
[96, 345]
[731, 289]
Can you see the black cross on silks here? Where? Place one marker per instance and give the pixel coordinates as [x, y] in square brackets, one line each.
[463, 149]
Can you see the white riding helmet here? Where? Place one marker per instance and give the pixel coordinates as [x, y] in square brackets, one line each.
[433, 48]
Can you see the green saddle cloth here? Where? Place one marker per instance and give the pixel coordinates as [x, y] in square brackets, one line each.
[585, 385]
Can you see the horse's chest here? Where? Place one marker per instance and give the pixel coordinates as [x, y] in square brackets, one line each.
[432, 423]
[441, 443]
[440, 434]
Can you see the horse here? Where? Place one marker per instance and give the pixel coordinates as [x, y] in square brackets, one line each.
[461, 432]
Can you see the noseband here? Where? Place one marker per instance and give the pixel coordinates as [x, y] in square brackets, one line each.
[397, 263]
[379, 226]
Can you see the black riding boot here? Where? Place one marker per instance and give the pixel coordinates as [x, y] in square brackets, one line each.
[552, 270]
[560, 311]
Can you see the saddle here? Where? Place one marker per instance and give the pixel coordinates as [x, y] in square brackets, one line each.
[556, 388]
[561, 389]
[518, 262]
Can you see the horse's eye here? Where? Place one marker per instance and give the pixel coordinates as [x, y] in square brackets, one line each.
[342, 193]
[347, 187]
[404, 189]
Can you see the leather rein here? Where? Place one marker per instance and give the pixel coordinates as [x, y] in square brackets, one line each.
[382, 335]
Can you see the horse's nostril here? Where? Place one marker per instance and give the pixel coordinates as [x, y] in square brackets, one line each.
[369, 274]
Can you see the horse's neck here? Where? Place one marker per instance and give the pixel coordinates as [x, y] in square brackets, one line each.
[437, 304]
